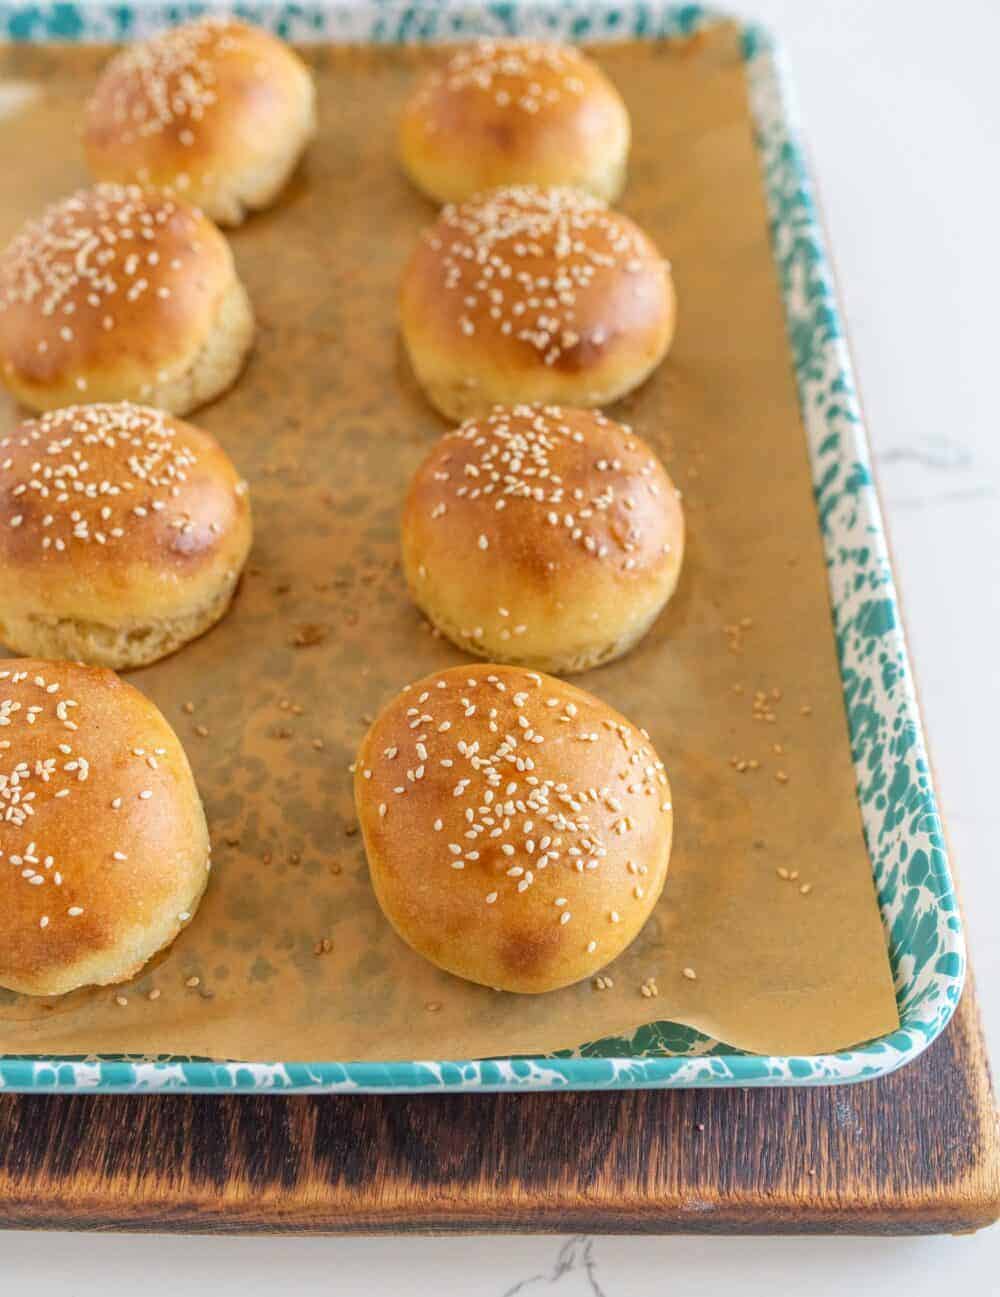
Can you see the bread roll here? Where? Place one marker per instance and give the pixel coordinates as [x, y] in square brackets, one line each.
[119, 293]
[505, 112]
[542, 536]
[104, 852]
[531, 294]
[518, 830]
[123, 533]
[216, 110]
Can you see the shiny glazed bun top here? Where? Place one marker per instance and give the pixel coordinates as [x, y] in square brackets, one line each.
[542, 535]
[518, 830]
[504, 112]
[215, 109]
[531, 294]
[120, 293]
[117, 517]
[104, 852]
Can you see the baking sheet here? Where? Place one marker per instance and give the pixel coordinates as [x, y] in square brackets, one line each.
[289, 956]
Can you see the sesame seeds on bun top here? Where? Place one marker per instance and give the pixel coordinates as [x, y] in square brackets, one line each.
[524, 260]
[103, 846]
[89, 253]
[518, 829]
[106, 474]
[112, 291]
[215, 109]
[122, 534]
[507, 71]
[169, 81]
[529, 293]
[542, 535]
[502, 112]
[577, 471]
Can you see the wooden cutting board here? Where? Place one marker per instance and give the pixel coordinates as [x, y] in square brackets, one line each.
[917, 1152]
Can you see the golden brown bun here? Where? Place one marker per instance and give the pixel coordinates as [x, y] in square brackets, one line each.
[123, 532]
[529, 294]
[506, 112]
[546, 537]
[518, 830]
[215, 109]
[119, 293]
[104, 852]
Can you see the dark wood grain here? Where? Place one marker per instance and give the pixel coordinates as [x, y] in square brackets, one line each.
[915, 1153]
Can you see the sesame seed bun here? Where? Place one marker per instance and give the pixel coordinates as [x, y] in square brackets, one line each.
[123, 532]
[105, 853]
[216, 110]
[542, 536]
[518, 830]
[528, 294]
[120, 293]
[503, 112]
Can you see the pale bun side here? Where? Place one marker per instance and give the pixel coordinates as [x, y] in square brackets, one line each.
[503, 112]
[534, 295]
[105, 852]
[545, 536]
[217, 110]
[123, 532]
[121, 293]
[518, 830]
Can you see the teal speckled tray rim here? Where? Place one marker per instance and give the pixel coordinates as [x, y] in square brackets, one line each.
[902, 827]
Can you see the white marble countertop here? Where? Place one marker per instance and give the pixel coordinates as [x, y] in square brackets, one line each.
[902, 113]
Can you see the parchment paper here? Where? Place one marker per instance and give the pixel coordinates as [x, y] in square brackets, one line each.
[292, 956]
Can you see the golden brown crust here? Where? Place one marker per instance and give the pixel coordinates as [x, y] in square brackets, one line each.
[529, 294]
[542, 535]
[116, 515]
[113, 293]
[502, 112]
[215, 109]
[104, 853]
[518, 830]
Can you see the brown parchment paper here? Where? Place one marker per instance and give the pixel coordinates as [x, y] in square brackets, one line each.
[327, 424]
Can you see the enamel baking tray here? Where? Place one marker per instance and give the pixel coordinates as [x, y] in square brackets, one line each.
[902, 827]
